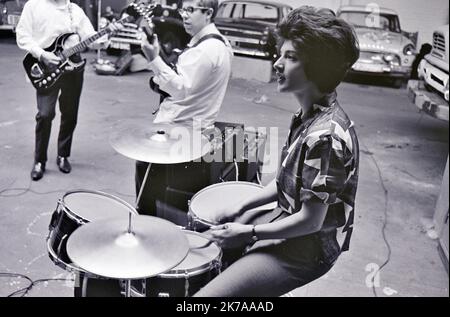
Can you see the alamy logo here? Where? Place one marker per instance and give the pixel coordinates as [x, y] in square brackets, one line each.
[373, 19]
[373, 278]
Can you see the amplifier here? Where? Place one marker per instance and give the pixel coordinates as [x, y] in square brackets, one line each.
[237, 155]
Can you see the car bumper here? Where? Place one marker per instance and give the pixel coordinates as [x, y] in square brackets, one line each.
[435, 77]
[7, 27]
[427, 102]
[381, 70]
[12, 20]
[253, 53]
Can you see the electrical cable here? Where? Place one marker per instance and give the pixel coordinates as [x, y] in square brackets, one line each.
[25, 290]
[29, 190]
[385, 220]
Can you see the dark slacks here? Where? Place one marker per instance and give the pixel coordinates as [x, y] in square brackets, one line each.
[68, 89]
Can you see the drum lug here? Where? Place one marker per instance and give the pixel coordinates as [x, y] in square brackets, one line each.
[80, 222]
[163, 295]
[191, 222]
[54, 218]
[217, 266]
[60, 245]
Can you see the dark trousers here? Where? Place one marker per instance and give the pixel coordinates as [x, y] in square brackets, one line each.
[69, 90]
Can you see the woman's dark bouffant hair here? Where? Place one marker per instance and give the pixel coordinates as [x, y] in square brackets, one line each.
[326, 45]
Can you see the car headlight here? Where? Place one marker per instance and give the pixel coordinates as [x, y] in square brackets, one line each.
[103, 23]
[265, 37]
[391, 59]
[409, 49]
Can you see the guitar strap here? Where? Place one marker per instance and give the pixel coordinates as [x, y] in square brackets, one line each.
[204, 38]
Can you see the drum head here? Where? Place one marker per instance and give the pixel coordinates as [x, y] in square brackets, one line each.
[224, 193]
[197, 260]
[91, 205]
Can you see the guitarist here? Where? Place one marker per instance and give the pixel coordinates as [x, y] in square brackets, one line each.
[41, 22]
[195, 88]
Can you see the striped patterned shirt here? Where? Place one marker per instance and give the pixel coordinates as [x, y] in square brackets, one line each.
[320, 162]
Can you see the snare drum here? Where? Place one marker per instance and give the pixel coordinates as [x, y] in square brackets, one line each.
[200, 266]
[201, 204]
[75, 209]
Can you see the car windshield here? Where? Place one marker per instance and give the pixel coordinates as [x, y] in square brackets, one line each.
[248, 11]
[386, 22]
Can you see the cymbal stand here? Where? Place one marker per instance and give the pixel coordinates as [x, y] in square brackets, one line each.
[144, 182]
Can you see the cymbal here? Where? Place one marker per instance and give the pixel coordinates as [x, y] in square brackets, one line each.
[105, 248]
[160, 143]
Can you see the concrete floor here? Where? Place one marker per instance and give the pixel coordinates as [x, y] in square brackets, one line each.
[403, 155]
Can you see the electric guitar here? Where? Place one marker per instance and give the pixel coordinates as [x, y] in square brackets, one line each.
[44, 77]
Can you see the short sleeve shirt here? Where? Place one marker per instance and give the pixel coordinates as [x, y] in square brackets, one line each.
[319, 162]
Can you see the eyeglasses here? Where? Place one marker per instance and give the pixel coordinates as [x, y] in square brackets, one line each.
[190, 10]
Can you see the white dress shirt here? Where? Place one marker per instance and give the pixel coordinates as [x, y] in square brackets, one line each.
[42, 21]
[198, 87]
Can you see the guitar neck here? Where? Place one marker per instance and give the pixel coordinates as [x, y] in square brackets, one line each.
[85, 43]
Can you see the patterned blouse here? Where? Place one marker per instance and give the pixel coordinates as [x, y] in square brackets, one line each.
[320, 162]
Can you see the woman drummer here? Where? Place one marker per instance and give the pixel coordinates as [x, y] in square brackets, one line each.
[316, 182]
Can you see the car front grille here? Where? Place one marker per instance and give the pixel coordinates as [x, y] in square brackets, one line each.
[438, 45]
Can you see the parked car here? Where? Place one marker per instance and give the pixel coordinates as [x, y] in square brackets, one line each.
[249, 25]
[10, 11]
[430, 92]
[434, 67]
[167, 23]
[384, 49]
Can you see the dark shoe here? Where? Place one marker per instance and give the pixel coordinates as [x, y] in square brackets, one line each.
[38, 171]
[63, 164]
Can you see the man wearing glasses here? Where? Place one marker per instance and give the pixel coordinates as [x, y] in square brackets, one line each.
[195, 87]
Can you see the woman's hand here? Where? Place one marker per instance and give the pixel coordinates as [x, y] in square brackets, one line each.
[231, 235]
[226, 213]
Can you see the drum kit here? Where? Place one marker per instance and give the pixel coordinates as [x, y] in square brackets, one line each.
[99, 236]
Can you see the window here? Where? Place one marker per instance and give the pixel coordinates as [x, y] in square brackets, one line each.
[225, 10]
[286, 11]
[238, 11]
[254, 11]
[386, 22]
